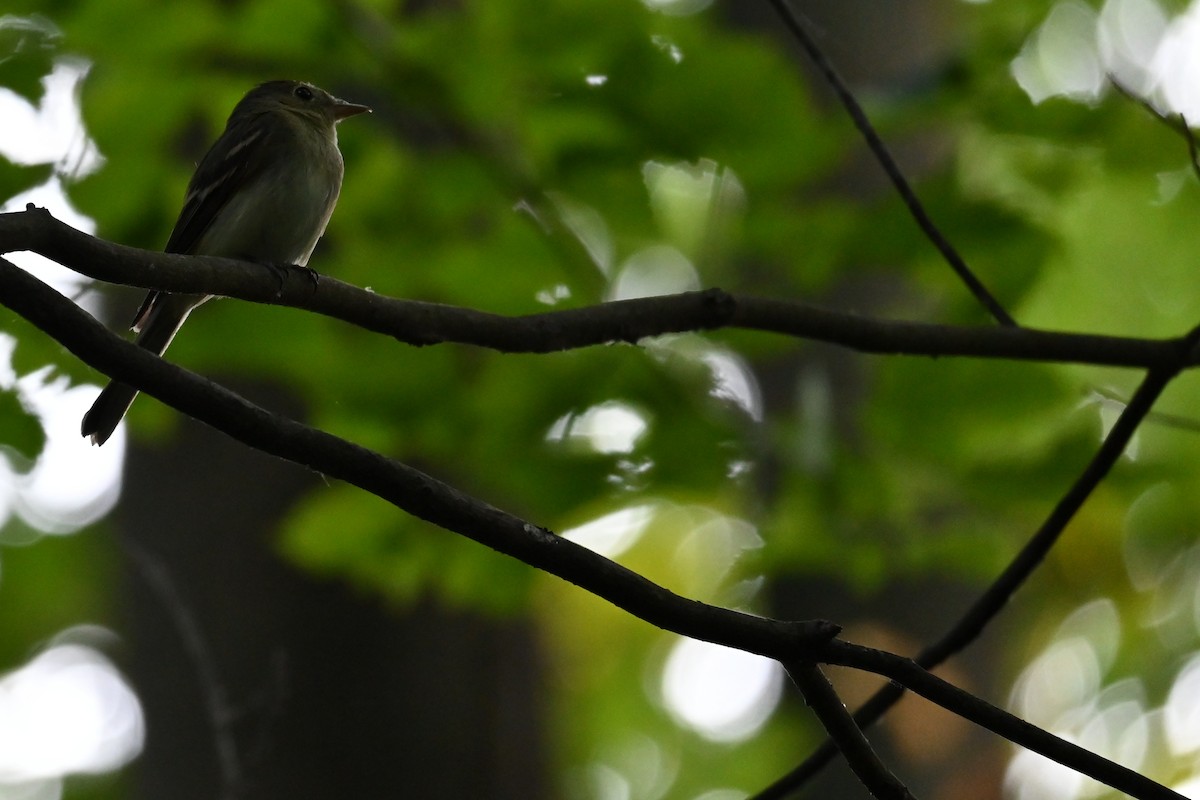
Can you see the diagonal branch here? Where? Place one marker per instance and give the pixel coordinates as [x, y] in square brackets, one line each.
[907, 672]
[404, 487]
[915, 208]
[845, 733]
[434, 501]
[993, 600]
[421, 323]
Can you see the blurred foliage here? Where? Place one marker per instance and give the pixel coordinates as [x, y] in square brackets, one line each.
[502, 128]
[28, 47]
[22, 433]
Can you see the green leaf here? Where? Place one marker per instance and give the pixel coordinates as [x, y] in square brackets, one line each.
[23, 435]
[28, 46]
[16, 178]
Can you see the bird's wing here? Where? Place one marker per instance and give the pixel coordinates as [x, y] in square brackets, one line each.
[235, 160]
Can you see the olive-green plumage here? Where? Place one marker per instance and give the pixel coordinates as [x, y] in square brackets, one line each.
[264, 192]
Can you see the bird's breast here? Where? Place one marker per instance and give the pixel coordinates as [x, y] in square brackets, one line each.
[280, 217]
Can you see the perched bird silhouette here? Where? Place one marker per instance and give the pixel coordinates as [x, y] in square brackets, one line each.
[264, 192]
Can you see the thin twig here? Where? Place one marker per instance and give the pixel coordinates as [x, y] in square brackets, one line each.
[989, 604]
[885, 159]
[845, 733]
[907, 672]
[216, 700]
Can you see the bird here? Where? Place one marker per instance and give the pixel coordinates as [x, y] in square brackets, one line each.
[263, 192]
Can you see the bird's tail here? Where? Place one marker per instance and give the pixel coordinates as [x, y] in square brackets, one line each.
[161, 322]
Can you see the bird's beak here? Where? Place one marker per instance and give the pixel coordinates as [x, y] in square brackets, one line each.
[342, 109]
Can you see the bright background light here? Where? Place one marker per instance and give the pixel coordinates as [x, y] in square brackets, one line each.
[68, 710]
[723, 694]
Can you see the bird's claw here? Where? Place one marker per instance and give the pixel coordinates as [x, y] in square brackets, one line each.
[279, 271]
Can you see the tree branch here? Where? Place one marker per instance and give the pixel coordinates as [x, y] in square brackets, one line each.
[406, 488]
[990, 603]
[907, 672]
[419, 323]
[845, 733]
[885, 159]
[429, 499]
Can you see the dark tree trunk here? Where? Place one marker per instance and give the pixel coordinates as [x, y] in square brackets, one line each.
[329, 693]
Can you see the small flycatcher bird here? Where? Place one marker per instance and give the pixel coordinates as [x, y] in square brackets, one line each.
[264, 193]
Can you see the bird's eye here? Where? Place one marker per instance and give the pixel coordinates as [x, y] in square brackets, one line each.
[303, 92]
